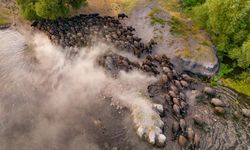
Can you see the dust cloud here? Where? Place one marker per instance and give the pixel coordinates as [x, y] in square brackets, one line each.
[47, 98]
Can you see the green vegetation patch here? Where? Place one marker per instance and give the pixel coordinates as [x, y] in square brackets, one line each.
[128, 5]
[241, 85]
[3, 20]
[228, 23]
[224, 70]
[4, 16]
[170, 5]
[205, 43]
[154, 18]
[186, 53]
[48, 9]
[177, 26]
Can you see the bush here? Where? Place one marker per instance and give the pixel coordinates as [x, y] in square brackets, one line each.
[240, 84]
[48, 9]
[224, 69]
[242, 54]
[200, 15]
[228, 21]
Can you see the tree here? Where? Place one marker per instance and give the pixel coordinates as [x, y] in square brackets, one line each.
[228, 21]
[48, 9]
[27, 9]
[242, 54]
[51, 9]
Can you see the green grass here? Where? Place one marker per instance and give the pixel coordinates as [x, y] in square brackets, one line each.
[157, 20]
[177, 26]
[205, 43]
[154, 11]
[128, 5]
[186, 53]
[154, 18]
[224, 70]
[3, 20]
[240, 85]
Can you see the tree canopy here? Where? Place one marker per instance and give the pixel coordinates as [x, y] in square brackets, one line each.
[48, 9]
[228, 21]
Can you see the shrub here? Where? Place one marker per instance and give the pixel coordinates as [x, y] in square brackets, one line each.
[48, 9]
[242, 55]
[200, 15]
[228, 21]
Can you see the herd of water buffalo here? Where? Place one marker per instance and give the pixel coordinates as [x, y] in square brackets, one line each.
[82, 30]
[79, 31]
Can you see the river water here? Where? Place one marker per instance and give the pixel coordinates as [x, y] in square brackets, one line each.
[29, 120]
